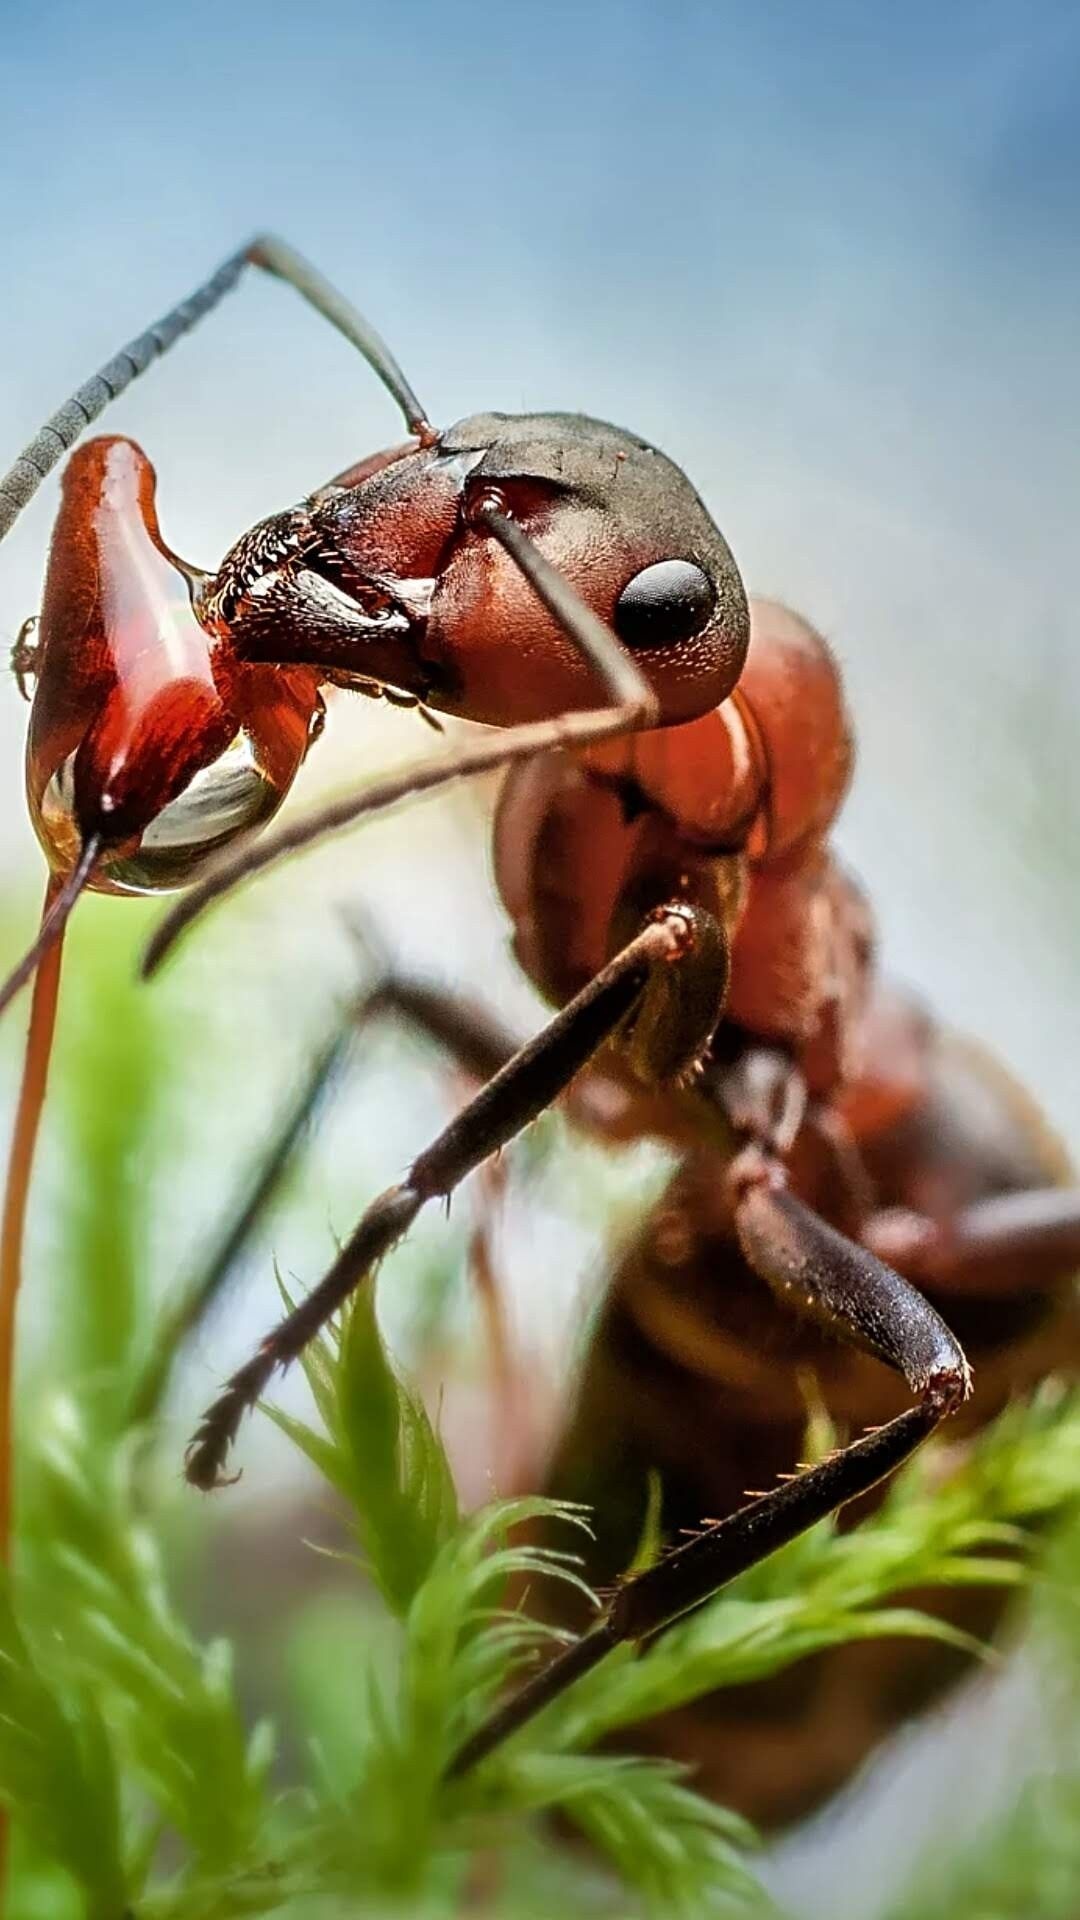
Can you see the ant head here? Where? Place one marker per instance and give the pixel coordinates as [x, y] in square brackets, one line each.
[624, 526]
[146, 737]
[390, 574]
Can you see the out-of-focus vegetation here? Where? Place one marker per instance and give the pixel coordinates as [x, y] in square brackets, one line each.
[142, 1776]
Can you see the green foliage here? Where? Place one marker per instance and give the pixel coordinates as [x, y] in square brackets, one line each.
[98, 1623]
[124, 1744]
[827, 1587]
[1025, 1860]
[381, 1454]
[139, 1782]
[58, 1770]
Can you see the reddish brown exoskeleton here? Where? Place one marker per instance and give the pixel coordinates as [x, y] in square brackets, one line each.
[172, 708]
[822, 1088]
[661, 848]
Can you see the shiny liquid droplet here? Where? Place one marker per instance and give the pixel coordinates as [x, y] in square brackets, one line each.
[145, 730]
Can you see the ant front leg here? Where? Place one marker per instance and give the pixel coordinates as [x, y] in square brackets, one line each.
[479, 1046]
[632, 991]
[465, 1030]
[824, 1276]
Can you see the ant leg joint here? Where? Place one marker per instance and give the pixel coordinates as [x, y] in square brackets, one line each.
[832, 1281]
[680, 924]
[948, 1387]
[755, 1167]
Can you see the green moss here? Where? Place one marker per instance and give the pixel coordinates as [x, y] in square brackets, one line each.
[139, 1783]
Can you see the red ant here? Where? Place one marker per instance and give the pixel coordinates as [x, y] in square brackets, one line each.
[662, 853]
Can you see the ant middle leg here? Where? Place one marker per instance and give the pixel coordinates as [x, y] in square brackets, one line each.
[633, 991]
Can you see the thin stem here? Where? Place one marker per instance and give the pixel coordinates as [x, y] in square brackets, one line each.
[28, 1112]
[59, 900]
[16, 1194]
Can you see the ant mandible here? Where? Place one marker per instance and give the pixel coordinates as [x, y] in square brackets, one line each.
[506, 571]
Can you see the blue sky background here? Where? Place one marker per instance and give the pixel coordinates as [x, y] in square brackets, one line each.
[827, 255]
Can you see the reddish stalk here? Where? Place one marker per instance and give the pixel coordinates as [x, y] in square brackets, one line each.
[16, 1194]
[35, 1075]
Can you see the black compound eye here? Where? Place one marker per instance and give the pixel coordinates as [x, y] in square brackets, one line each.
[664, 604]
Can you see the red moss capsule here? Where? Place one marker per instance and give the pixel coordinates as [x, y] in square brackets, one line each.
[145, 731]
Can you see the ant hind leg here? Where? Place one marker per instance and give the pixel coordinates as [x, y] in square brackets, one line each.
[820, 1274]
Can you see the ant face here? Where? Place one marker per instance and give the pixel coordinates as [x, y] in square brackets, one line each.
[145, 734]
[626, 529]
[387, 574]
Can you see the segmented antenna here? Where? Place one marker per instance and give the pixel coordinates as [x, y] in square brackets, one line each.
[273, 256]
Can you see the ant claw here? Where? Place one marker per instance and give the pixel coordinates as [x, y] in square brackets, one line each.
[207, 1477]
[24, 658]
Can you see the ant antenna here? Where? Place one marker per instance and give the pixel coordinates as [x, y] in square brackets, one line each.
[271, 255]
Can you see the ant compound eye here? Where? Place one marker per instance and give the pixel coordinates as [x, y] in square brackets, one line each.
[664, 603]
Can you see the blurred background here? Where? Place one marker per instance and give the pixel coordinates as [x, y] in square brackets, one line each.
[829, 259]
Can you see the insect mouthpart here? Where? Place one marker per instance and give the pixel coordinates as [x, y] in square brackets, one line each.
[287, 559]
[287, 592]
